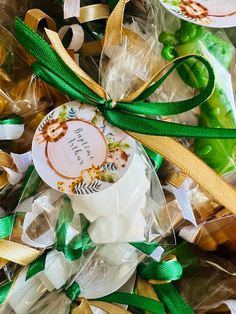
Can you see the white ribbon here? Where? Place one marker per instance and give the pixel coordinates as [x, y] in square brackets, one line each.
[42, 205]
[71, 8]
[11, 131]
[77, 39]
[182, 197]
[22, 162]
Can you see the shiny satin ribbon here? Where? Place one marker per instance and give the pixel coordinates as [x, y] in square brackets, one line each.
[18, 253]
[11, 128]
[33, 18]
[160, 275]
[5, 161]
[77, 39]
[167, 147]
[93, 12]
[71, 8]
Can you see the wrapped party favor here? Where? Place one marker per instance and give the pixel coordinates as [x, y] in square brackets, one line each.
[84, 223]
[219, 110]
[104, 172]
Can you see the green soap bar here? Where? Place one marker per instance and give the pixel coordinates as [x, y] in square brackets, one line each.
[217, 111]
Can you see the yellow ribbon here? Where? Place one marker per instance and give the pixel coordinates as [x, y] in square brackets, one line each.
[145, 289]
[93, 12]
[171, 150]
[18, 253]
[34, 16]
[5, 161]
[85, 307]
[114, 28]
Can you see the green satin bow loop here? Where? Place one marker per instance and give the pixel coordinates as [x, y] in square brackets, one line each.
[166, 270]
[168, 295]
[6, 226]
[4, 290]
[163, 271]
[13, 120]
[124, 115]
[73, 291]
[37, 266]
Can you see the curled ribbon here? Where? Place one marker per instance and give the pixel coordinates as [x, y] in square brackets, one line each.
[11, 128]
[60, 70]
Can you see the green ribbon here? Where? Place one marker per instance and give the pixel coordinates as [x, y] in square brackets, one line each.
[30, 184]
[37, 266]
[172, 300]
[146, 248]
[163, 271]
[79, 243]
[13, 120]
[4, 290]
[6, 226]
[127, 116]
[166, 271]
[134, 300]
[156, 158]
[73, 291]
[112, 3]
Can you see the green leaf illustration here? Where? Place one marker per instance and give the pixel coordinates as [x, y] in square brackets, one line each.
[122, 146]
[107, 176]
[63, 114]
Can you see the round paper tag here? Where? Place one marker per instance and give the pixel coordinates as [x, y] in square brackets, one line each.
[76, 151]
[210, 13]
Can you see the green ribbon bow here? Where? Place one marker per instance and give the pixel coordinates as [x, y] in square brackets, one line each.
[128, 116]
[167, 270]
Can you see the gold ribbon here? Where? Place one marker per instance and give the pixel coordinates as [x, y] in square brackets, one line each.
[93, 12]
[5, 161]
[18, 253]
[114, 28]
[59, 48]
[145, 289]
[85, 307]
[171, 150]
[35, 16]
[192, 166]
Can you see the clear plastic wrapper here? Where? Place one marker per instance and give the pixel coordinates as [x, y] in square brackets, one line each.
[216, 232]
[117, 208]
[213, 225]
[97, 273]
[212, 285]
[21, 93]
[219, 110]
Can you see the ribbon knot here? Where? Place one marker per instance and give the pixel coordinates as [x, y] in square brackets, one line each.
[107, 104]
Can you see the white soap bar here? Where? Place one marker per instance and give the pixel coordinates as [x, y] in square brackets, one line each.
[124, 197]
[118, 229]
[57, 271]
[25, 293]
[118, 253]
[114, 210]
